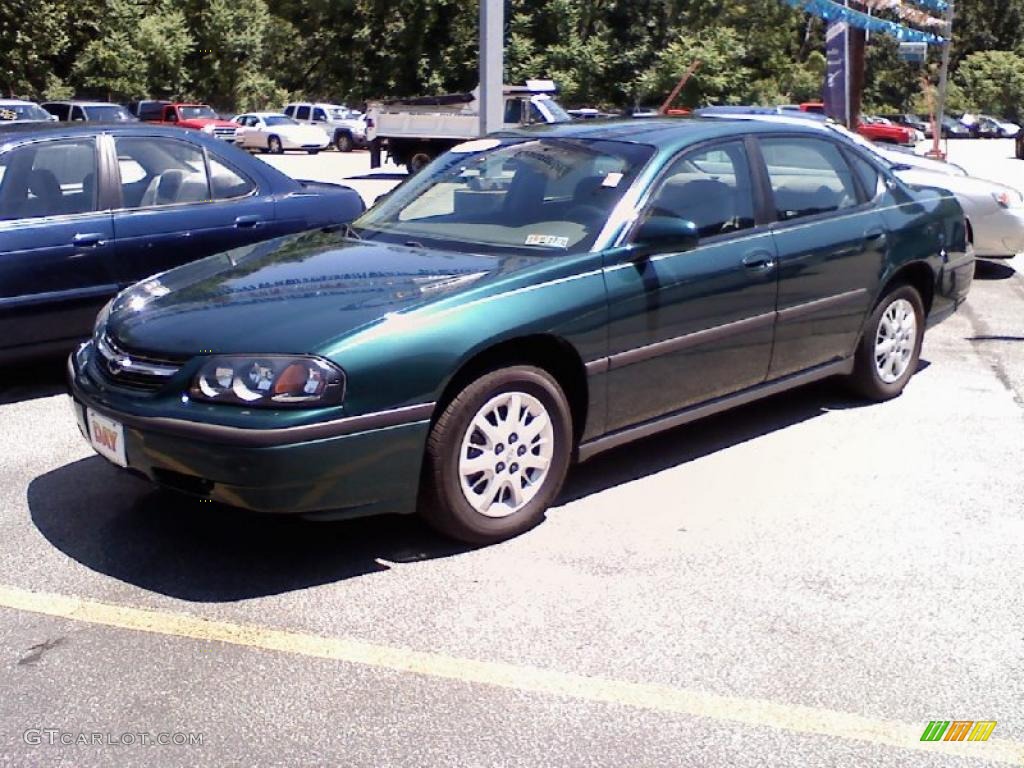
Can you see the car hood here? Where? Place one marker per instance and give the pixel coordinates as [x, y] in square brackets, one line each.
[290, 295]
[200, 122]
[967, 188]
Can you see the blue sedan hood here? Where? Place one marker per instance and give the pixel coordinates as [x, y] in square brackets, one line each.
[290, 295]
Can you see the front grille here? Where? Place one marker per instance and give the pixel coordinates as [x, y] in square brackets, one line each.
[127, 369]
[224, 133]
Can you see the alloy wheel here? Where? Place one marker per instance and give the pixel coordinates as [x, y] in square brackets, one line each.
[505, 454]
[895, 341]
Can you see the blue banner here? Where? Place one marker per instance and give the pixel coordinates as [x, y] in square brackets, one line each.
[834, 12]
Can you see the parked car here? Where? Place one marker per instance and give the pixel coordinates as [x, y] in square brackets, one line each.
[12, 110]
[527, 299]
[884, 132]
[994, 213]
[915, 122]
[275, 133]
[197, 117]
[954, 129]
[346, 127]
[988, 127]
[86, 211]
[97, 111]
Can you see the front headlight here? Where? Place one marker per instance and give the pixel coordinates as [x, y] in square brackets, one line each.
[1008, 199]
[269, 381]
[208, 128]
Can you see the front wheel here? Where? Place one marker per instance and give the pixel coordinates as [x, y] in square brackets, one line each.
[890, 348]
[343, 142]
[312, 151]
[498, 455]
[274, 146]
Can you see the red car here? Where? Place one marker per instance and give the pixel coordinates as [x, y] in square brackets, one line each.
[198, 117]
[872, 128]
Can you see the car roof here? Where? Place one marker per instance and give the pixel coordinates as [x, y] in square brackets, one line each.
[81, 103]
[263, 114]
[666, 132]
[18, 102]
[47, 129]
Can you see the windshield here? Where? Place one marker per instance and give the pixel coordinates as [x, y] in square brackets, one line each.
[278, 120]
[558, 114]
[23, 112]
[200, 112]
[112, 112]
[531, 195]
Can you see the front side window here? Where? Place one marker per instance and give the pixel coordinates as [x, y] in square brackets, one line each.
[710, 187]
[54, 178]
[319, 115]
[77, 113]
[172, 172]
[531, 195]
[289, 110]
[61, 111]
[302, 113]
[808, 177]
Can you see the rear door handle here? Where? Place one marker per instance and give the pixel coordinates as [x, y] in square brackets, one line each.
[248, 222]
[87, 240]
[759, 261]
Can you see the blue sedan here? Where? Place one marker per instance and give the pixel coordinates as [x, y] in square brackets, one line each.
[88, 210]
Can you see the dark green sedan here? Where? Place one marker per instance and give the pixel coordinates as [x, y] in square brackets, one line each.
[526, 301]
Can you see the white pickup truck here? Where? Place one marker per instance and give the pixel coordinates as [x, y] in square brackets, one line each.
[415, 131]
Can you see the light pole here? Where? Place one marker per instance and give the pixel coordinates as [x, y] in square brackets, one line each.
[492, 64]
[940, 105]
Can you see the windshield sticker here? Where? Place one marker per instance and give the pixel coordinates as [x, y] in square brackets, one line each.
[612, 180]
[480, 145]
[549, 240]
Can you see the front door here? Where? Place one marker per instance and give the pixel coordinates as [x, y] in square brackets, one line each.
[56, 248]
[689, 327]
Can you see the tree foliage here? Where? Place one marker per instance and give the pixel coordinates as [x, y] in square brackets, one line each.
[241, 54]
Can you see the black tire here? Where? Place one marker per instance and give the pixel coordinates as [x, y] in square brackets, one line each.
[443, 502]
[419, 159]
[312, 151]
[343, 142]
[274, 146]
[866, 380]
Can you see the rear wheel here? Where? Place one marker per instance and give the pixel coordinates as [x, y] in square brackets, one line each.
[274, 145]
[420, 159]
[313, 151]
[498, 455]
[890, 348]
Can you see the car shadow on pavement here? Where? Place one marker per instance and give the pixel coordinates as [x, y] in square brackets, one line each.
[993, 270]
[119, 525]
[693, 441]
[31, 381]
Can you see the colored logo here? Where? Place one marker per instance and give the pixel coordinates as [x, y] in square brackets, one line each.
[958, 730]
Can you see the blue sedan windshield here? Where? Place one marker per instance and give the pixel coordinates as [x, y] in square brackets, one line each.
[542, 194]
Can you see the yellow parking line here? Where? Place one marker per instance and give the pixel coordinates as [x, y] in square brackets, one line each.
[660, 698]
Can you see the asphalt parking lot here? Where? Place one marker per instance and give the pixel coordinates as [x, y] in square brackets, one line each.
[805, 581]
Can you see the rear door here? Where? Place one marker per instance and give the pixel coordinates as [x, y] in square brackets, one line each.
[180, 203]
[56, 247]
[831, 240]
[689, 327]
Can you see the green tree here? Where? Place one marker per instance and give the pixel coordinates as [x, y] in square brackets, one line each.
[721, 79]
[33, 33]
[993, 82]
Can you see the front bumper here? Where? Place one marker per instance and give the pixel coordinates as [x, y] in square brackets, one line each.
[999, 234]
[346, 468]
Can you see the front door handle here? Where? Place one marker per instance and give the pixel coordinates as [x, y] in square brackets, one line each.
[875, 239]
[87, 240]
[248, 222]
[759, 261]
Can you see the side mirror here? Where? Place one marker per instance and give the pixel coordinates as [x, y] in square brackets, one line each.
[665, 234]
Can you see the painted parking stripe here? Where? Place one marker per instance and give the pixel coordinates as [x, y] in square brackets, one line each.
[660, 698]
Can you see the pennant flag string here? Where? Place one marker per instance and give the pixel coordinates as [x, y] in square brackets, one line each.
[833, 11]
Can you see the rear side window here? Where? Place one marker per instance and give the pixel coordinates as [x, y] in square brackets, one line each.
[60, 110]
[55, 178]
[227, 183]
[808, 177]
[870, 178]
[302, 113]
[710, 187]
[172, 172]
